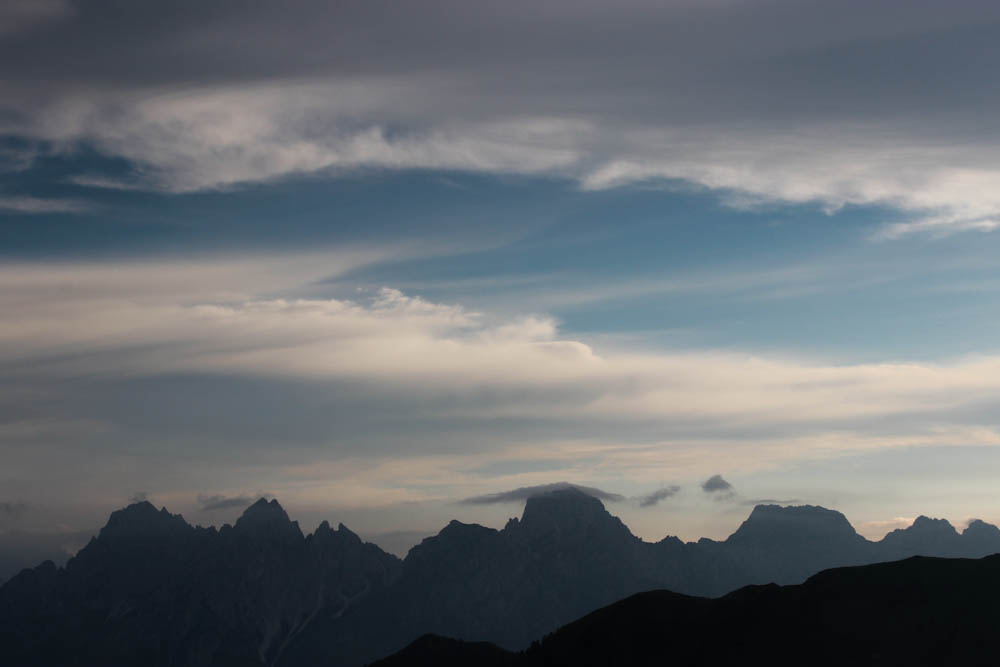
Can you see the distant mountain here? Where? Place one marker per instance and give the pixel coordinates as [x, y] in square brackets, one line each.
[151, 589]
[919, 611]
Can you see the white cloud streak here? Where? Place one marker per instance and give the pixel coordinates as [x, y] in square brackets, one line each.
[218, 138]
[212, 317]
[30, 205]
[205, 139]
[763, 102]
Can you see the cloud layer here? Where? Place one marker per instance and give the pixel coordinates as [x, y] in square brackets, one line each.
[339, 399]
[764, 102]
[214, 317]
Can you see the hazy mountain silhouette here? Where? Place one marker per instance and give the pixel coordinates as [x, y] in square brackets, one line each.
[919, 611]
[151, 589]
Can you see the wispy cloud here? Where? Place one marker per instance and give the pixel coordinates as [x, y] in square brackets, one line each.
[523, 493]
[219, 114]
[655, 497]
[752, 502]
[215, 502]
[718, 488]
[30, 205]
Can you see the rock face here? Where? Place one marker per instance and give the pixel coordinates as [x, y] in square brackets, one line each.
[151, 589]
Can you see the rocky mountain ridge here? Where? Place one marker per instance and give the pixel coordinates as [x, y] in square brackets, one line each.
[152, 589]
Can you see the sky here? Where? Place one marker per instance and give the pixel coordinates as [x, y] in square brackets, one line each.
[395, 263]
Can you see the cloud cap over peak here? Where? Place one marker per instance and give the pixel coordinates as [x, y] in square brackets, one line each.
[523, 493]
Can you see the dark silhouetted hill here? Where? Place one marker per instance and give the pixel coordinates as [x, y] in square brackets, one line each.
[151, 589]
[919, 611]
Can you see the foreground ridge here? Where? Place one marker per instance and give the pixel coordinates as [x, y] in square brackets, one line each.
[919, 611]
[152, 589]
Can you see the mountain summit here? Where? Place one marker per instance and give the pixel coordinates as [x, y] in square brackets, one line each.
[267, 520]
[568, 511]
[775, 525]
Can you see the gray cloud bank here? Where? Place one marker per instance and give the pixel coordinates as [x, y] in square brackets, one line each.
[835, 103]
[523, 493]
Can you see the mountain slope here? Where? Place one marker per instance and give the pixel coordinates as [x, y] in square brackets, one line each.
[920, 611]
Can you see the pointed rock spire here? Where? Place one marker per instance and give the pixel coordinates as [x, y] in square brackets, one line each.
[267, 519]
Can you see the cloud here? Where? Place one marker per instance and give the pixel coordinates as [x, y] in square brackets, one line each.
[215, 317]
[138, 497]
[656, 496]
[385, 397]
[760, 102]
[214, 502]
[768, 501]
[523, 493]
[31, 205]
[20, 15]
[716, 484]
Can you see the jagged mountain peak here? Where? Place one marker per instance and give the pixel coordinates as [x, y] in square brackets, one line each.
[923, 528]
[267, 518]
[457, 529]
[263, 506]
[324, 533]
[142, 520]
[456, 535]
[925, 523]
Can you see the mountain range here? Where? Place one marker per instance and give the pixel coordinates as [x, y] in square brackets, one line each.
[151, 589]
